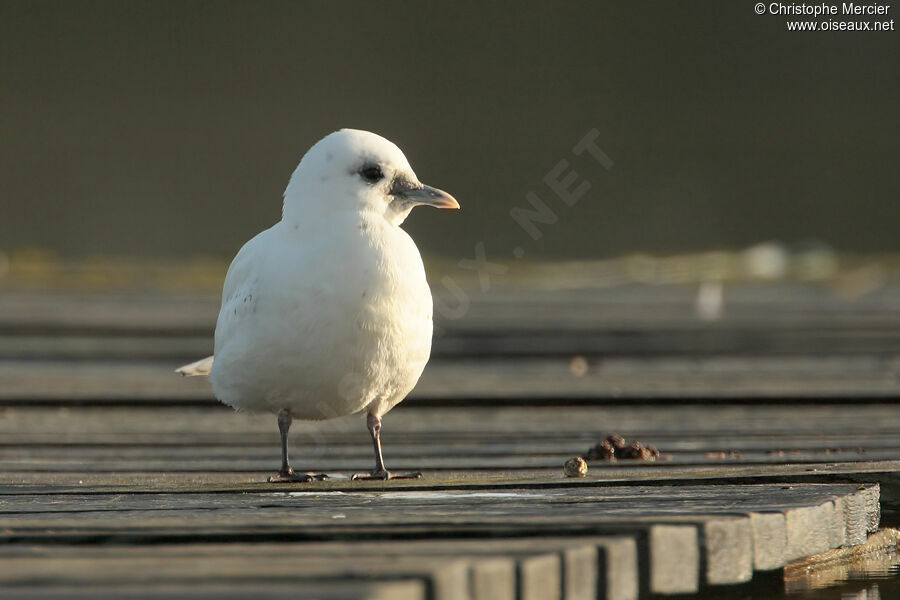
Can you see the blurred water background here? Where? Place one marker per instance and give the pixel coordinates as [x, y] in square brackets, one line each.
[165, 132]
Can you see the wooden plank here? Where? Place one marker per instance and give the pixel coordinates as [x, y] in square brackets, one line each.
[493, 577]
[618, 576]
[346, 443]
[258, 590]
[506, 438]
[329, 450]
[100, 482]
[540, 577]
[546, 565]
[54, 346]
[855, 513]
[833, 441]
[445, 579]
[586, 423]
[108, 312]
[377, 505]
[314, 568]
[725, 541]
[502, 308]
[810, 530]
[635, 320]
[728, 545]
[769, 532]
[610, 378]
[584, 572]
[537, 568]
[698, 339]
[119, 461]
[340, 462]
[668, 576]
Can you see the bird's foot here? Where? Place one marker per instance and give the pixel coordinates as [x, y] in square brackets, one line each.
[384, 476]
[289, 476]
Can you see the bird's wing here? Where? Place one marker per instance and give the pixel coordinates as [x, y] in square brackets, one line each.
[237, 299]
[240, 292]
[200, 367]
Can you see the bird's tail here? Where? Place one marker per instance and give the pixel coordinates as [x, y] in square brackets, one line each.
[201, 367]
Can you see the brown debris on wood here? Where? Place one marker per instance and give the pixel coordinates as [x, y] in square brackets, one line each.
[615, 447]
[723, 454]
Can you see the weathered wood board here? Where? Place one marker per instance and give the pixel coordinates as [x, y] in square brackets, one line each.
[520, 380]
[778, 424]
[133, 476]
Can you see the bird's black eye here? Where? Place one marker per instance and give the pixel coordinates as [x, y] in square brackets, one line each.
[372, 174]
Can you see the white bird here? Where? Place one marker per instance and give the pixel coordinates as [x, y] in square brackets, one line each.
[328, 312]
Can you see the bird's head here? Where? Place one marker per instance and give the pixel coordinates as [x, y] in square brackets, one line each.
[358, 171]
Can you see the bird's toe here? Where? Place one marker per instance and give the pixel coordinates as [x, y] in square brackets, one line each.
[384, 476]
[292, 477]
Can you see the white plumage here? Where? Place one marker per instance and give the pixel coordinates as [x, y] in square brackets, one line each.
[328, 312]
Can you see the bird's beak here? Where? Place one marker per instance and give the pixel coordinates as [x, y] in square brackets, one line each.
[431, 196]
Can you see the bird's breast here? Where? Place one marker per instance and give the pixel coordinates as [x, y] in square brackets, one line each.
[339, 322]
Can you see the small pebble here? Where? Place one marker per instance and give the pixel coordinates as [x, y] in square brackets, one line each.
[578, 366]
[575, 467]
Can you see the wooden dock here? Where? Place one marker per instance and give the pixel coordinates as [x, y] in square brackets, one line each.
[778, 426]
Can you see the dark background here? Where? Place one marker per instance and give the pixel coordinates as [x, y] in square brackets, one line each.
[162, 129]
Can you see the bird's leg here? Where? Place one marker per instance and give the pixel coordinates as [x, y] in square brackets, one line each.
[373, 422]
[287, 473]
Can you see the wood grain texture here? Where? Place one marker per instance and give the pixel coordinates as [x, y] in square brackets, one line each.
[273, 589]
[545, 379]
[119, 479]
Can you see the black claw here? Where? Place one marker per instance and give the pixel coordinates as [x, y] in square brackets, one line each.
[383, 476]
[291, 477]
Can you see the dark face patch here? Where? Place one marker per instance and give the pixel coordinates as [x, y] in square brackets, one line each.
[401, 185]
[400, 203]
